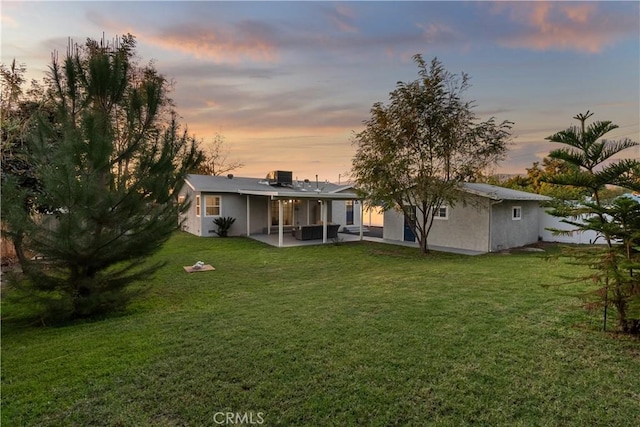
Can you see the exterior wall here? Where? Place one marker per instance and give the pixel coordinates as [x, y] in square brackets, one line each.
[471, 226]
[339, 212]
[393, 225]
[259, 206]
[191, 223]
[509, 233]
[466, 226]
[548, 221]
[233, 205]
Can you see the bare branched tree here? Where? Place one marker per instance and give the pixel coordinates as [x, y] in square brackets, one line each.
[217, 160]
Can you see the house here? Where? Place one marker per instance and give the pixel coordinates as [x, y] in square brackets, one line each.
[276, 204]
[488, 219]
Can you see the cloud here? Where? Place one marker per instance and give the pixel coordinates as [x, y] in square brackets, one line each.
[440, 33]
[210, 71]
[248, 40]
[8, 22]
[582, 27]
[341, 17]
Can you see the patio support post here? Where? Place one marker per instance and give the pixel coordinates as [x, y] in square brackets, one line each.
[248, 216]
[269, 200]
[308, 213]
[361, 219]
[280, 221]
[323, 209]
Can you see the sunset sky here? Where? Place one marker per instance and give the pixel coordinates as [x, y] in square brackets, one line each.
[288, 83]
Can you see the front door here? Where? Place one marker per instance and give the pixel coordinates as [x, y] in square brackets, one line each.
[409, 236]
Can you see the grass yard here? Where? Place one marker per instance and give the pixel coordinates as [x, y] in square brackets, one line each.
[354, 334]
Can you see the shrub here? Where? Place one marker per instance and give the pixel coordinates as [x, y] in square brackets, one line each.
[224, 223]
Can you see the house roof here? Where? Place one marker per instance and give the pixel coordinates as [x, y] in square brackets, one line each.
[500, 193]
[261, 187]
[326, 190]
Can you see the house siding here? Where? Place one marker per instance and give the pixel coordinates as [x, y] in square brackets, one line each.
[508, 233]
[481, 224]
[190, 223]
[259, 214]
[339, 212]
[393, 225]
[467, 226]
[233, 205]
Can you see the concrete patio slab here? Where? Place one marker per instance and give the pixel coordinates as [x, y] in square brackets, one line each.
[290, 241]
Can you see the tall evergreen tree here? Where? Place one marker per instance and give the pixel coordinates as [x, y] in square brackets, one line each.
[108, 165]
[594, 167]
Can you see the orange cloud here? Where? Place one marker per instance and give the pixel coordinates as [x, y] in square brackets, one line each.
[217, 45]
[565, 26]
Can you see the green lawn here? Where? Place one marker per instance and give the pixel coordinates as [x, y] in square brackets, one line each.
[351, 334]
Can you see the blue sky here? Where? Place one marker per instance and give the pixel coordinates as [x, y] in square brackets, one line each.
[288, 83]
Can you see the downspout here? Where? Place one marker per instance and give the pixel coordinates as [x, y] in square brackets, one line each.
[361, 219]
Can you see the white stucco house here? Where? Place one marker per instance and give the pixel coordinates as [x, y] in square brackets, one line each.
[492, 219]
[275, 204]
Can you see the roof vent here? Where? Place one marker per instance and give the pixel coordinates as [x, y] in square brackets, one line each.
[230, 176]
[280, 178]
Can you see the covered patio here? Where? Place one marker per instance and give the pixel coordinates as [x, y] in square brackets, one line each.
[283, 237]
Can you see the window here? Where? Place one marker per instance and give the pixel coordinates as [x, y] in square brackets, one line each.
[516, 213]
[442, 213]
[182, 198]
[212, 205]
[197, 205]
[349, 212]
[287, 212]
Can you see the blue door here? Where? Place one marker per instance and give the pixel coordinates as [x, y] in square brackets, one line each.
[408, 232]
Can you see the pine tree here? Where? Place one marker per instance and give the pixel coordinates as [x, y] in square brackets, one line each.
[108, 165]
[617, 221]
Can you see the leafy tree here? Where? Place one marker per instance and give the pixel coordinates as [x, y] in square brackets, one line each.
[416, 150]
[617, 221]
[108, 167]
[536, 180]
[216, 159]
[17, 106]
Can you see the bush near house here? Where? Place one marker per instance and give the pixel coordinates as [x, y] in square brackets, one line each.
[356, 334]
[224, 223]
